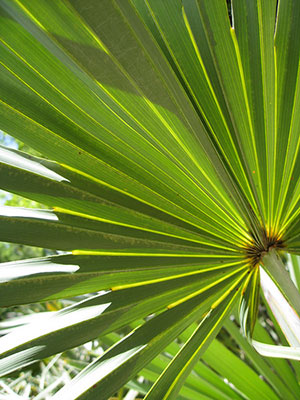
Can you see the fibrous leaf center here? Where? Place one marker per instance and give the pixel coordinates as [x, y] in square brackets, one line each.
[256, 250]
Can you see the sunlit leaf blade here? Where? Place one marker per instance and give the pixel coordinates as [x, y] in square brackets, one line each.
[58, 187]
[275, 268]
[294, 269]
[252, 386]
[224, 54]
[161, 123]
[248, 308]
[287, 369]
[267, 350]
[285, 315]
[195, 384]
[254, 24]
[65, 276]
[203, 87]
[129, 355]
[284, 385]
[203, 379]
[171, 380]
[268, 339]
[278, 383]
[102, 314]
[185, 58]
[287, 53]
[292, 235]
[65, 231]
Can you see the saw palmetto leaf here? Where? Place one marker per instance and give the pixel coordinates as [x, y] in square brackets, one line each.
[169, 131]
